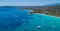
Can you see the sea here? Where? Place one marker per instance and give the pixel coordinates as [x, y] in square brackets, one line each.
[14, 19]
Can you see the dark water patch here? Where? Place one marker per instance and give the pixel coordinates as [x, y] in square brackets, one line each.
[13, 17]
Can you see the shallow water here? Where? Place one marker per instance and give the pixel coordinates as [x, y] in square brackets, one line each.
[48, 23]
[20, 20]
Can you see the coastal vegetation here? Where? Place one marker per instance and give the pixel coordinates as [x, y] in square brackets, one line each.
[50, 10]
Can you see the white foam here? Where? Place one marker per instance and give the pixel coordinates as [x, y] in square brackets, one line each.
[39, 26]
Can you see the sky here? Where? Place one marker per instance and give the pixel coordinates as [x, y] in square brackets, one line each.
[27, 2]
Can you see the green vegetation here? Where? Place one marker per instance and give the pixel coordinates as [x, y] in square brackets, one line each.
[50, 10]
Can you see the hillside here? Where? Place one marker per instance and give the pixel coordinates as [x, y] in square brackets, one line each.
[51, 10]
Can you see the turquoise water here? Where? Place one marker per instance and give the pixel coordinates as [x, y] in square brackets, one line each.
[48, 23]
[14, 19]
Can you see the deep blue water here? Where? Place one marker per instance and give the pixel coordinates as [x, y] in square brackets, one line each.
[14, 19]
